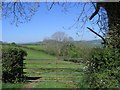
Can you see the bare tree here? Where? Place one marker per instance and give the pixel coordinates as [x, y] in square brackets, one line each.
[19, 12]
[59, 36]
[68, 39]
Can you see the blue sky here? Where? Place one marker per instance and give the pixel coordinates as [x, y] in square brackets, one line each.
[45, 23]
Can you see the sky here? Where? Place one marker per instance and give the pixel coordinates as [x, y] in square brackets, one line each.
[44, 24]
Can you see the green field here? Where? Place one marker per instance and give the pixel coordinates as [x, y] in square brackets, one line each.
[51, 73]
[37, 54]
[35, 46]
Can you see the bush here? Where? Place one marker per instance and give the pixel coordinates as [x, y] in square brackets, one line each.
[12, 64]
[104, 69]
[69, 50]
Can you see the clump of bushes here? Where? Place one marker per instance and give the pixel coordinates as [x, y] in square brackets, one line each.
[12, 64]
[69, 52]
[104, 68]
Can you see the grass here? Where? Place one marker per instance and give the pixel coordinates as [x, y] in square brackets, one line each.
[51, 64]
[54, 73]
[55, 85]
[35, 46]
[66, 72]
[10, 85]
[37, 54]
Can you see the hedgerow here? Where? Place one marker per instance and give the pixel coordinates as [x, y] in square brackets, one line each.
[12, 64]
[104, 68]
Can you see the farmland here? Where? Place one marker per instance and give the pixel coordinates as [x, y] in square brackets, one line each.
[62, 74]
[60, 45]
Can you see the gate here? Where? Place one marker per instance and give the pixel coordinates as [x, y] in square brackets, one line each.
[63, 70]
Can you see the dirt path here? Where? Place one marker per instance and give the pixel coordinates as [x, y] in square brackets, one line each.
[29, 86]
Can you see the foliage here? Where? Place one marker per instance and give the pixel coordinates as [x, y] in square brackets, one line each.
[12, 64]
[114, 38]
[13, 43]
[55, 42]
[69, 50]
[104, 63]
[103, 68]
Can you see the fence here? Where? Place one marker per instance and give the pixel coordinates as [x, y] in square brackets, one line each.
[54, 70]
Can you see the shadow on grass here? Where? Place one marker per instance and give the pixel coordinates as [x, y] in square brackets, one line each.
[31, 78]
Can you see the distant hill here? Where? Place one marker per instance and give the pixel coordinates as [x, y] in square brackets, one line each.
[1, 42]
[91, 42]
[31, 42]
[95, 42]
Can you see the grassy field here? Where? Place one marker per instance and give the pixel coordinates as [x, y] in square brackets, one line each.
[63, 74]
[37, 54]
[35, 46]
[51, 73]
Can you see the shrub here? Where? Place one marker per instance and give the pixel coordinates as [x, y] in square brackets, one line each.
[12, 64]
[103, 68]
[69, 50]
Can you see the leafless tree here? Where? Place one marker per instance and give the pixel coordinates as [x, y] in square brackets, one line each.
[59, 36]
[19, 12]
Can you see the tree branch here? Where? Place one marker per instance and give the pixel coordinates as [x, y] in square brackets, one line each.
[96, 11]
[104, 41]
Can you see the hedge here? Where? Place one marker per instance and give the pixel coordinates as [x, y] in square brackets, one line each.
[12, 64]
[103, 68]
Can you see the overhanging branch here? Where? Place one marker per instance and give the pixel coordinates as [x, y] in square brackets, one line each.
[96, 11]
[104, 41]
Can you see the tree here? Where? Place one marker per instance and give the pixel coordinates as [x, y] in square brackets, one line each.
[13, 43]
[60, 39]
[56, 42]
[113, 20]
[104, 63]
[18, 12]
[68, 39]
[59, 36]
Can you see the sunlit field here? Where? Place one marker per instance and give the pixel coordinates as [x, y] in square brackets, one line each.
[63, 74]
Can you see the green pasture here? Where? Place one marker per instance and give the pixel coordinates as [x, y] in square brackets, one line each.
[53, 73]
[36, 54]
[34, 46]
[63, 74]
